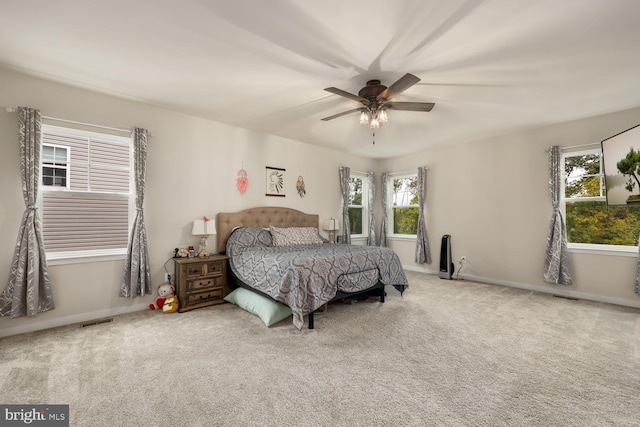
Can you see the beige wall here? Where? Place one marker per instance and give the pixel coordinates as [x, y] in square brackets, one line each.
[492, 197]
[191, 170]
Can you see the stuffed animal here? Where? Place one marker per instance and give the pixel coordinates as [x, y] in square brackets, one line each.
[164, 291]
[170, 305]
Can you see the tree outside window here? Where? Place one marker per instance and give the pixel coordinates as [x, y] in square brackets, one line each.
[356, 205]
[589, 219]
[404, 204]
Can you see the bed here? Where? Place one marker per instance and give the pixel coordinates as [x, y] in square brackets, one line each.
[277, 252]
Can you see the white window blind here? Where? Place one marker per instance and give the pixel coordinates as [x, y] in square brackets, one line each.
[94, 211]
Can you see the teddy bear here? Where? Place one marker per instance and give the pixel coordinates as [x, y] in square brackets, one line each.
[164, 292]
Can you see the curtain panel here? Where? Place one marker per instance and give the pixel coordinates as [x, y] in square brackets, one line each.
[345, 176]
[423, 252]
[384, 182]
[136, 280]
[28, 291]
[371, 185]
[556, 262]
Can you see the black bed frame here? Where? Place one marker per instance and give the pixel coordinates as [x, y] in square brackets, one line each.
[235, 283]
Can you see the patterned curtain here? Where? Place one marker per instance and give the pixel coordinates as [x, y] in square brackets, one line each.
[136, 279]
[345, 176]
[371, 181]
[556, 262]
[423, 253]
[638, 270]
[29, 289]
[384, 181]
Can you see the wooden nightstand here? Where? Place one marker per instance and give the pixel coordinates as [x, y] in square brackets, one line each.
[201, 282]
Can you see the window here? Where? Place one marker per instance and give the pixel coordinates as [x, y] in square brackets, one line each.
[86, 202]
[358, 217]
[590, 221]
[55, 161]
[404, 210]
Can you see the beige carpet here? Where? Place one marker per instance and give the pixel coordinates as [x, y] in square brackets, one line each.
[448, 353]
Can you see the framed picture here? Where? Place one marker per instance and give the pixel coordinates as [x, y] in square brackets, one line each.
[275, 179]
[621, 161]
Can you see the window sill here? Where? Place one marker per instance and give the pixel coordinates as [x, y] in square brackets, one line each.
[63, 258]
[611, 250]
[409, 237]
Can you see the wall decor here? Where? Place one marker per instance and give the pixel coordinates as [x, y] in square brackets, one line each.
[300, 187]
[242, 182]
[275, 180]
[621, 167]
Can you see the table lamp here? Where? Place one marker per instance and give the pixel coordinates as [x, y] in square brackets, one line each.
[203, 227]
[331, 225]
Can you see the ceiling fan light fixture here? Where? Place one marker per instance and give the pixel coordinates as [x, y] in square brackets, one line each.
[375, 124]
[382, 116]
[364, 118]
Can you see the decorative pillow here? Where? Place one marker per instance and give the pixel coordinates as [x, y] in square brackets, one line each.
[268, 310]
[291, 236]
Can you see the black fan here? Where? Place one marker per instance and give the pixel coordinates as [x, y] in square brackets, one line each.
[376, 98]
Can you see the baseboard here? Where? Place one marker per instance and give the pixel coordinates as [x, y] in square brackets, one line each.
[536, 288]
[70, 320]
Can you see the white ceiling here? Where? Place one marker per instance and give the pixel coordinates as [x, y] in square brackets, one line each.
[492, 67]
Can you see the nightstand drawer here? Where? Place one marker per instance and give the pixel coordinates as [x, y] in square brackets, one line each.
[213, 294]
[202, 284]
[205, 268]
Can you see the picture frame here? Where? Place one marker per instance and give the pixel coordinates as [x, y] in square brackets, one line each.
[275, 179]
[621, 162]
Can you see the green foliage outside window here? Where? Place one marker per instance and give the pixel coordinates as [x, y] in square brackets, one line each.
[595, 222]
[405, 197]
[405, 220]
[592, 220]
[355, 220]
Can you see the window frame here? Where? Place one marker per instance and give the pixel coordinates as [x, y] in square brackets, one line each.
[66, 168]
[365, 204]
[589, 248]
[390, 206]
[88, 255]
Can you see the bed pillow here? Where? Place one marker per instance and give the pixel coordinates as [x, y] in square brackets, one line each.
[291, 236]
[268, 310]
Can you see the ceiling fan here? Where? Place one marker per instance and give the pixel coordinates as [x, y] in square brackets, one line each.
[376, 99]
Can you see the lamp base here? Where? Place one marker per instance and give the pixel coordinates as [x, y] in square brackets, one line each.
[202, 250]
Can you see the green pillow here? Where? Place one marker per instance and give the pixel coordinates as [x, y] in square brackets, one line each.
[268, 310]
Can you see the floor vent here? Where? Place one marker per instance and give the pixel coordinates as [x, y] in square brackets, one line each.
[98, 322]
[563, 297]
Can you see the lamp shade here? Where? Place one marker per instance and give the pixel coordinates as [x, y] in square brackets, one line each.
[330, 225]
[203, 227]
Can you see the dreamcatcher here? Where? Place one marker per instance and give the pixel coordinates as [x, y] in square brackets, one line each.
[300, 187]
[242, 182]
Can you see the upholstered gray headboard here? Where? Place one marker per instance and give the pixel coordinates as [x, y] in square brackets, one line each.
[260, 217]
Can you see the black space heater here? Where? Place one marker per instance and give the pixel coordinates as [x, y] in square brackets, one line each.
[446, 262]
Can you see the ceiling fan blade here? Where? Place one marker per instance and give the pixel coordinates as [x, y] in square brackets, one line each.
[402, 84]
[410, 106]
[344, 113]
[341, 92]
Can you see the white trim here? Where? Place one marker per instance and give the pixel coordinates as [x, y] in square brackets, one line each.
[596, 249]
[80, 257]
[70, 320]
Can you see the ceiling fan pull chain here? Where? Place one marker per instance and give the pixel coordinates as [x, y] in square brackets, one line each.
[374, 138]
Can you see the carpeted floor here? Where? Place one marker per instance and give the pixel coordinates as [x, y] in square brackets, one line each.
[448, 353]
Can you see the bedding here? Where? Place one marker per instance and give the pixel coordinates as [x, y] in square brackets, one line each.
[304, 277]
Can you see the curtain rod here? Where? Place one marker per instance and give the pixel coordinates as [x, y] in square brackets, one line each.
[14, 110]
[573, 147]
